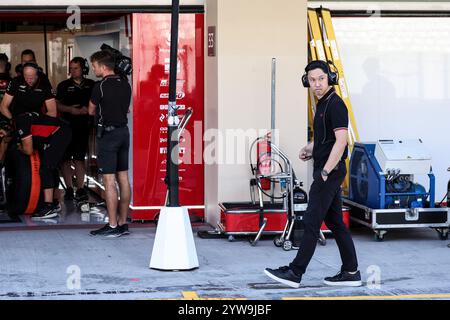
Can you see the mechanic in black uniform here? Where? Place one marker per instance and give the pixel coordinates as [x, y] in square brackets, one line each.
[329, 151]
[72, 96]
[110, 102]
[5, 77]
[29, 93]
[50, 137]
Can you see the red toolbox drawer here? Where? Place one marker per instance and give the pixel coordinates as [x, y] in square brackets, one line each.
[244, 217]
[345, 217]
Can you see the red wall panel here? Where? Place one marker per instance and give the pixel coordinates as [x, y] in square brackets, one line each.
[151, 53]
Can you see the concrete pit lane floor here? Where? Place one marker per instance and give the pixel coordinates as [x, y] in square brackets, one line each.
[61, 263]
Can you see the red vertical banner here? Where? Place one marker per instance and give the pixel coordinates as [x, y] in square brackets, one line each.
[151, 61]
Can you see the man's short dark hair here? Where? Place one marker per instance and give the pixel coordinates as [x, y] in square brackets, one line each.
[318, 64]
[28, 52]
[104, 58]
[78, 60]
[4, 57]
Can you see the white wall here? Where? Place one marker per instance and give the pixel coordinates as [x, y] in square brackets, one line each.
[15, 42]
[86, 45]
[238, 81]
[398, 76]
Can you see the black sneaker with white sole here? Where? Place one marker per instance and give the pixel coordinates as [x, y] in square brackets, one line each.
[81, 195]
[124, 229]
[107, 231]
[47, 212]
[284, 275]
[57, 206]
[345, 279]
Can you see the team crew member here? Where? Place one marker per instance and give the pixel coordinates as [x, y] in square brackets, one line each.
[28, 93]
[28, 55]
[72, 96]
[50, 137]
[110, 102]
[5, 77]
[5, 138]
[18, 70]
[329, 151]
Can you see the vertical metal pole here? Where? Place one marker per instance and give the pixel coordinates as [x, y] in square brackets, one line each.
[173, 120]
[272, 112]
[273, 95]
[45, 47]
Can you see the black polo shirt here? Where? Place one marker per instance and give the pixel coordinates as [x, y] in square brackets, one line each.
[71, 93]
[29, 99]
[331, 116]
[112, 97]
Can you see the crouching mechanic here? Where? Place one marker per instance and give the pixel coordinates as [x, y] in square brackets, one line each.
[50, 137]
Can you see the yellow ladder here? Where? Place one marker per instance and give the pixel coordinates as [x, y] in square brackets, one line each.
[323, 46]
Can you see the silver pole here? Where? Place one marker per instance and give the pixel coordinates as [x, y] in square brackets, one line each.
[272, 109]
[274, 82]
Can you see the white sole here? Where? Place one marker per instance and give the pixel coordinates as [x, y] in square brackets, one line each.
[46, 217]
[283, 281]
[114, 235]
[343, 283]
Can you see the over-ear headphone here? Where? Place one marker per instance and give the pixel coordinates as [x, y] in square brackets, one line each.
[333, 76]
[83, 63]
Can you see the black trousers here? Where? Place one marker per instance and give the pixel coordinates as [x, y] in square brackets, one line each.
[52, 155]
[325, 204]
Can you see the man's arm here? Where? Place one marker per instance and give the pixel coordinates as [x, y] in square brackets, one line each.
[51, 107]
[4, 106]
[67, 109]
[92, 108]
[338, 149]
[27, 145]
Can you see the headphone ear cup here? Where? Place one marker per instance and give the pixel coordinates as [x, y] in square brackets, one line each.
[305, 81]
[333, 79]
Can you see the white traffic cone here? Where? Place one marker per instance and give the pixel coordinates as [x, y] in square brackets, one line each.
[174, 246]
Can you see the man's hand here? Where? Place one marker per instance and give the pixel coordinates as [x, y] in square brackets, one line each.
[79, 111]
[84, 111]
[324, 178]
[305, 154]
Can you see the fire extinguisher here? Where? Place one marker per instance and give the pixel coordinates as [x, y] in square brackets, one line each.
[263, 151]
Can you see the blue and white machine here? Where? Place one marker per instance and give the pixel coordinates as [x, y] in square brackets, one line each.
[383, 193]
